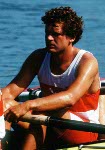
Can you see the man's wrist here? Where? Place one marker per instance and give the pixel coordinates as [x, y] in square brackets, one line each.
[28, 105]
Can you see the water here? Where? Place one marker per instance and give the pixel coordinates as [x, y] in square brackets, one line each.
[21, 31]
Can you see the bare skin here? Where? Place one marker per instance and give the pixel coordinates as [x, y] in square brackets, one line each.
[62, 54]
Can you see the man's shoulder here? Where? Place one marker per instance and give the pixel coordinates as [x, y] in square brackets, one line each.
[38, 54]
[89, 56]
[36, 57]
[88, 59]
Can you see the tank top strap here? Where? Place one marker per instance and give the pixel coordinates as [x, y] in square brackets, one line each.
[78, 58]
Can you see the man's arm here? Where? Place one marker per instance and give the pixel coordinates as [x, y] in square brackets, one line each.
[28, 71]
[26, 74]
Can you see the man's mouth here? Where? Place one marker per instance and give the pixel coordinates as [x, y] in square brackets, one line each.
[51, 45]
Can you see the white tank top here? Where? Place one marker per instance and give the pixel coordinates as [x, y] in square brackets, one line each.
[65, 79]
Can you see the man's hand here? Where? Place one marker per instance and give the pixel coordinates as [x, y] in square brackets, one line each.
[15, 112]
[7, 103]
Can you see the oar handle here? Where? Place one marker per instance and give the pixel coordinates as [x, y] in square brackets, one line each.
[36, 119]
[64, 123]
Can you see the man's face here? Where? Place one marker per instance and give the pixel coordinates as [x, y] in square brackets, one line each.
[56, 40]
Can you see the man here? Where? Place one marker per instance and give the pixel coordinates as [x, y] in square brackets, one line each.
[69, 80]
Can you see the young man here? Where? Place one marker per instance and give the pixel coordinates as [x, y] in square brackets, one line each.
[69, 80]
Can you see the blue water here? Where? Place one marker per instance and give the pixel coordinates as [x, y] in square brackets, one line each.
[21, 31]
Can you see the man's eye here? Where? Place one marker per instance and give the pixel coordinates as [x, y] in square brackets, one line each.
[53, 34]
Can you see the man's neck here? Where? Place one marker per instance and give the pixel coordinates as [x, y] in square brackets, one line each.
[59, 63]
[65, 56]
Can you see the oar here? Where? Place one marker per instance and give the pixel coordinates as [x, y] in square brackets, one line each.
[102, 90]
[64, 123]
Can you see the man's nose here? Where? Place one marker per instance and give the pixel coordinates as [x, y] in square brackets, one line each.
[50, 37]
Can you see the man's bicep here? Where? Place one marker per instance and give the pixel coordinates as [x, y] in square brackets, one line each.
[19, 83]
[86, 73]
[84, 79]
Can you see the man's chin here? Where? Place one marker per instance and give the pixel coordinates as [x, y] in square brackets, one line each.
[51, 50]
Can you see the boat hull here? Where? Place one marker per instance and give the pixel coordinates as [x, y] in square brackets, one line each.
[99, 145]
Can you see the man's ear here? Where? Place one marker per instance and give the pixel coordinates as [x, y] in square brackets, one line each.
[72, 40]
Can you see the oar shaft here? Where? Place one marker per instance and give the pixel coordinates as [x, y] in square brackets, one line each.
[77, 125]
[64, 123]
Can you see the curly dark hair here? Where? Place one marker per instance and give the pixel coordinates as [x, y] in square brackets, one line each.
[73, 24]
